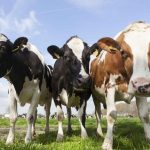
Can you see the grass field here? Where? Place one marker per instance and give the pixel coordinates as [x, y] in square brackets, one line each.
[128, 135]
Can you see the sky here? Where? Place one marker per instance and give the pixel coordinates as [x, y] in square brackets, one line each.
[50, 22]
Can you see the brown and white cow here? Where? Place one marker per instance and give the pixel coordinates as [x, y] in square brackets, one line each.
[120, 71]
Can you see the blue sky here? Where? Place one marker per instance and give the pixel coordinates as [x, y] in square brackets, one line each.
[53, 22]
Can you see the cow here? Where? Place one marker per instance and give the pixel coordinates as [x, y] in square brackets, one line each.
[120, 70]
[29, 81]
[69, 115]
[70, 80]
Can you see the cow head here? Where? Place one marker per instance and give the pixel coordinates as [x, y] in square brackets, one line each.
[135, 42]
[132, 59]
[109, 58]
[73, 53]
[7, 48]
[5, 55]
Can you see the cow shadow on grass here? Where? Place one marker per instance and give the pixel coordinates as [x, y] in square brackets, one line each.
[75, 134]
[45, 138]
[128, 134]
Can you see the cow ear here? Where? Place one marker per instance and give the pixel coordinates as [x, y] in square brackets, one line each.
[95, 50]
[109, 45]
[55, 51]
[20, 41]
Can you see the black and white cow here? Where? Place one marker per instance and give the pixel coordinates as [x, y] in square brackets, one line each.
[29, 80]
[70, 80]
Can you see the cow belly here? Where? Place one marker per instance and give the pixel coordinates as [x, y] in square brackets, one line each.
[99, 95]
[74, 101]
[45, 97]
[119, 96]
[70, 101]
[28, 90]
[26, 95]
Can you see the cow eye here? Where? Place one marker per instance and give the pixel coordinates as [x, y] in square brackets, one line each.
[124, 54]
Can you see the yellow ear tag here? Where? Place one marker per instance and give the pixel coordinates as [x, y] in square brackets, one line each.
[56, 55]
[95, 53]
[16, 49]
[112, 49]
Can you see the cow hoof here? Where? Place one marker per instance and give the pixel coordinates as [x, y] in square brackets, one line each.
[9, 141]
[46, 130]
[34, 134]
[27, 140]
[69, 131]
[107, 145]
[84, 136]
[99, 131]
[147, 139]
[59, 138]
[100, 134]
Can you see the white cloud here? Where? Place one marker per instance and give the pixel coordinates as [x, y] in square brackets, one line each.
[3, 21]
[89, 4]
[18, 23]
[27, 24]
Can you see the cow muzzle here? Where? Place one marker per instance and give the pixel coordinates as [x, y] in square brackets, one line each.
[82, 84]
[141, 86]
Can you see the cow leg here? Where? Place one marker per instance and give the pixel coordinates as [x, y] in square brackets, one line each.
[69, 129]
[142, 106]
[30, 115]
[34, 121]
[81, 116]
[60, 118]
[98, 116]
[47, 110]
[111, 117]
[13, 118]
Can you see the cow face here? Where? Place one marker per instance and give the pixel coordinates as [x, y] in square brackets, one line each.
[136, 37]
[7, 49]
[130, 52]
[73, 52]
[5, 52]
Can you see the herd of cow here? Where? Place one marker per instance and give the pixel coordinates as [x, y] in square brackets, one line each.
[110, 70]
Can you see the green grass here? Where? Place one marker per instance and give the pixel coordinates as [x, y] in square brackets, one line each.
[128, 135]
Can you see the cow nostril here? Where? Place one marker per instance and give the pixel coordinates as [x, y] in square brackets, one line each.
[142, 89]
[79, 81]
[147, 85]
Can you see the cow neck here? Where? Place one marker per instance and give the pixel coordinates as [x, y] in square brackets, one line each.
[13, 75]
[13, 51]
[10, 67]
